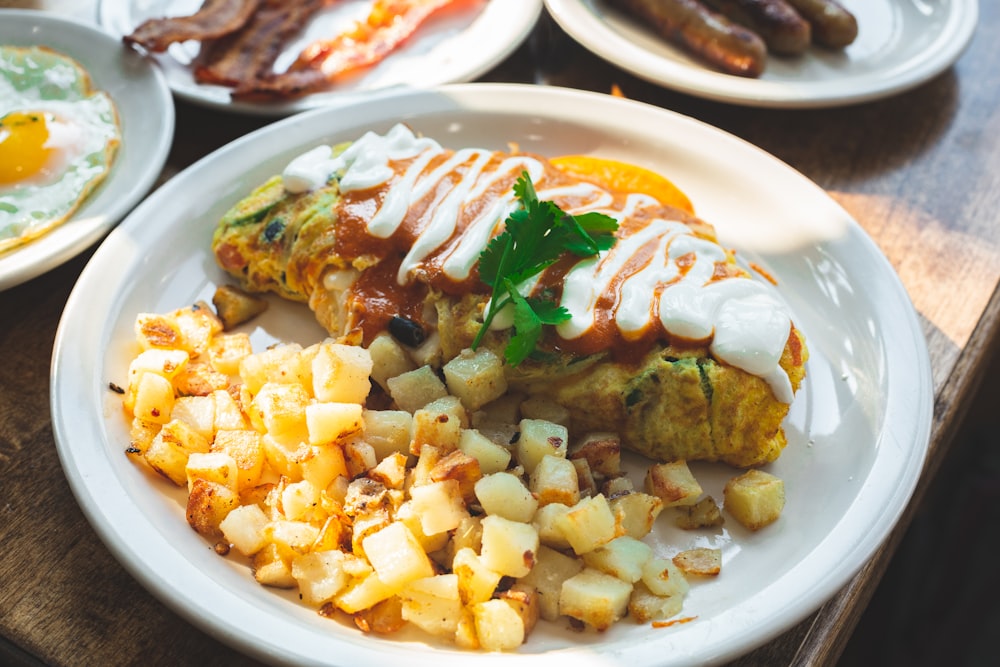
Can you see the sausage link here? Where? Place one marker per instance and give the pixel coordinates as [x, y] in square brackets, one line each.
[784, 30]
[832, 25]
[726, 45]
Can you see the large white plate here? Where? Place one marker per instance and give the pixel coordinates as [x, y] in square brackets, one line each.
[900, 44]
[457, 45]
[858, 430]
[147, 121]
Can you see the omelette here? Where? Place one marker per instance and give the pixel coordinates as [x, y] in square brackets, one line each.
[669, 342]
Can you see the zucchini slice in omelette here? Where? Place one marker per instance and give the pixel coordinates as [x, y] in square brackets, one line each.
[670, 343]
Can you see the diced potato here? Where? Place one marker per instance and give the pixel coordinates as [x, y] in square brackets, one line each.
[218, 467]
[755, 498]
[296, 536]
[439, 506]
[170, 448]
[389, 359]
[243, 527]
[246, 450]
[549, 531]
[415, 389]
[554, 481]
[390, 471]
[476, 582]
[321, 464]
[279, 364]
[235, 306]
[198, 324]
[588, 524]
[228, 414]
[644, 606]
[602, 452]
[154, 399]
[498, 625]
[283, 454]
[662, 577]
[383, 618]
[700, 561]
[491, 456]
[635, 513]
[272, 566]
[469, 534]
[320, 575]
[166, 363]
[673, 483]
[622, 557]
[596, 598]
[617, 486]
[509, 547]
[551, 569]
[388, 431]
[397, 557]
[545, 409]
[524, 600]
[421, 472]
[703, 514]
[208, 503]
[153, 330]
[140, 436]
[365, 495]
[503, 494]
[539, 438]
[465, 631]
[433, 604]
[226, 351]
[332, 422]
[363, 593]
[584, 477]
[439, 423]
[365, 524]
[280, 409]
[199, 379]
[462, 468]
[475, 377]
[300, 501]
[430, 543]
[198, 412]
[340, 373]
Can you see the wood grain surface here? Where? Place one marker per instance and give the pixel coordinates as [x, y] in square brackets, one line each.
[920, 171]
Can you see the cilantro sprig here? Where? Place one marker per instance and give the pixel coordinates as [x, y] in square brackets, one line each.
[536, 234]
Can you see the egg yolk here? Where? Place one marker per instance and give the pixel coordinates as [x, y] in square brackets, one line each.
[22, 146]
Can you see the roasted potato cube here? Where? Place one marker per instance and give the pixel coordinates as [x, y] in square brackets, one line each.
[154, 399]
[462, 468]
[226, 351]
[622, 557]
[588, 524]
[476, 582]
[397, 556]
[272, 566]
[439, 423]
[280, 410]
[476, 378]
[491, 456]
[549, 531]
[321, 464]
[703, 514]
[218, 467]
[153, 330]
[390, 471]
[554, 481]
[525, 601]
[340, 373]
[208, 503]
[430, 543]
[662, 577]
[200, 379]
[415, 389]
[594, 597]
[509, 547]
[673, 483]
[332, 422]
[246, 450]
[296, 536]
[755, 498]
[320, 575]
[388, 431]
[635, 513]
[244, 527]
[170, 448]
[498, 625]
[228, 414]
[551, 569]
[198, 324]
[537, 439]
[504, 494]
[433, 604]
[389, 359]
[700, 561]
[382, 618]
[198, 412]
[645, 606]
[235, 306]
[602, 452]
[439, 506]
[279, 364]
[363, 592]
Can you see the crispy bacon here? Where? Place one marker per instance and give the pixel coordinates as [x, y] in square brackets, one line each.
[249, 54]
[214, 19]
[388, 25]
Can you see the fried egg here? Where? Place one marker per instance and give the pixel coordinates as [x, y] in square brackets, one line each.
[58, 139]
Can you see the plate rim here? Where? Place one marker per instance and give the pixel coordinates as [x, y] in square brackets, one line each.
[575, 19]
[51, 250]
[918, 395]
[108, 9]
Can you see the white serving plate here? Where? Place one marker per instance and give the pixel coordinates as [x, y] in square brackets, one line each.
[858, 430]
[900, 44]
[454, 46]
[146, 111]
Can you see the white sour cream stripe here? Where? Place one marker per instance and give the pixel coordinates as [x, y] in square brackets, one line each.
[747, 325]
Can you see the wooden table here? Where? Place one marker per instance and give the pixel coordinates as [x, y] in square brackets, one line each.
[919, 171]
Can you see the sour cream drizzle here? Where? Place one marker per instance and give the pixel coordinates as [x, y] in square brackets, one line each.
[658, 275]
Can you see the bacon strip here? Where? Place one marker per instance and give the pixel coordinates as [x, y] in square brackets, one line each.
[249, 54]
[214, 19]
[388, 25]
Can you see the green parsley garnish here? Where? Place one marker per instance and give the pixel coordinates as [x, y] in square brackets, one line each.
[537, 233]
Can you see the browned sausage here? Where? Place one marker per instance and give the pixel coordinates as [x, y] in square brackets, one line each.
[832, 25]
[784, 30]
[730, 47]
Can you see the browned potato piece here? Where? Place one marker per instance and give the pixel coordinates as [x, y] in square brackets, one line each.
[234, 306]
[701, 561]
[755, 498]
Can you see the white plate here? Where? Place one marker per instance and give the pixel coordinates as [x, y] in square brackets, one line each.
[147, 122]
[457, 45]
[858, 431]
[900, 44]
